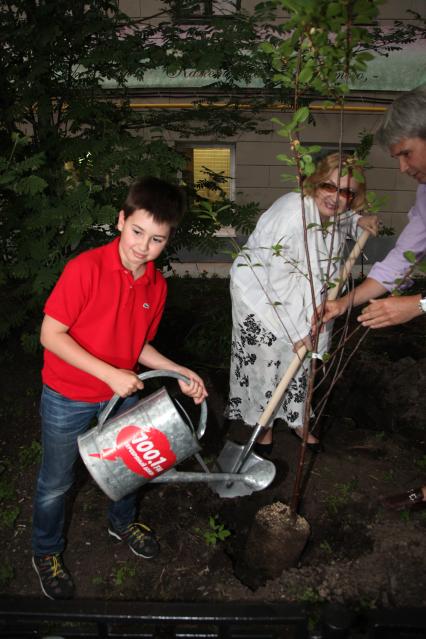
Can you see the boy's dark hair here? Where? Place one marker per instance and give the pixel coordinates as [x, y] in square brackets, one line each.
[163, 200]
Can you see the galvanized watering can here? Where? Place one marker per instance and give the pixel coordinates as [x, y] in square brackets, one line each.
[145, 442]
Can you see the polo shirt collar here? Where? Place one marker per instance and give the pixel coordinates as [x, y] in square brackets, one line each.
[113, 260]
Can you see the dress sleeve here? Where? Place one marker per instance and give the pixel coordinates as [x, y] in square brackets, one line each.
[272, 278]
[288, 283]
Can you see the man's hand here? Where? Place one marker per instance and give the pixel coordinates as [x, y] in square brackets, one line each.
[390, 311]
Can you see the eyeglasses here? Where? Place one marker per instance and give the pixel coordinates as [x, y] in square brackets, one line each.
[331, 188]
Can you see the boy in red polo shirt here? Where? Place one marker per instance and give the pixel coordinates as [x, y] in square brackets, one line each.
[98, 324]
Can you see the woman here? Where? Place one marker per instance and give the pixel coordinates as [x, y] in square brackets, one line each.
[271, 292]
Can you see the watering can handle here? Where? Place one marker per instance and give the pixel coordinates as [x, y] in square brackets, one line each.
[159, 373]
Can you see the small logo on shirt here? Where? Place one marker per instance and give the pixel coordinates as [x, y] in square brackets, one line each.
[146, 305]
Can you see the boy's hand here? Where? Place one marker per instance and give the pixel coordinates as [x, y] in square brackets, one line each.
[123, 382]
[369, 223]
[195, 388]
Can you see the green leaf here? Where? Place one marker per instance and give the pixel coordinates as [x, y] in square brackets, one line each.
[301, 115]
[282, 157]
[410, 256]
[358, 176]
[306, 75]
[334, 9]
[267, 47]
[288, 177]
[31, 185]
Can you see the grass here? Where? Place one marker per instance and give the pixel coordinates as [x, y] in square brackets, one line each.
[124, 573]
[215, 532]
[341, 498]
[29, 455]
[10, 510]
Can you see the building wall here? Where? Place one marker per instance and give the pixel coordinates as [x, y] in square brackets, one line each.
[258, 171]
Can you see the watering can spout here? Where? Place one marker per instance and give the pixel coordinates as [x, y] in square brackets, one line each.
[258, 477]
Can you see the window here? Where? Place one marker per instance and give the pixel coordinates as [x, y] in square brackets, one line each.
[210, 163]
[195, 9]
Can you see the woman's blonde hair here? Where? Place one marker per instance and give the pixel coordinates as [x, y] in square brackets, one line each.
[327, 165]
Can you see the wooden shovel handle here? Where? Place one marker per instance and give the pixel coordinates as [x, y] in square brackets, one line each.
[348, 265]
[300, 354]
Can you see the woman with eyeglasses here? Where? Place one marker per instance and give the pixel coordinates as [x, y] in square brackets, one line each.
[296, 242]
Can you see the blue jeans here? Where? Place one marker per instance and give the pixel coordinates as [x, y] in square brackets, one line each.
[62, 420]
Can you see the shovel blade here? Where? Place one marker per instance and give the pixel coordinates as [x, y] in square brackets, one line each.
[261, 472]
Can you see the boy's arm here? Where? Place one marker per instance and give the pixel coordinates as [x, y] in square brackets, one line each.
[151, 358]
[55, 337]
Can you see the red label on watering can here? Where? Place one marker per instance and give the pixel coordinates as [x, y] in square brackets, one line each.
[145, 451]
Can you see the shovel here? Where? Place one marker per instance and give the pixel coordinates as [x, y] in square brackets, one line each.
[235, 458]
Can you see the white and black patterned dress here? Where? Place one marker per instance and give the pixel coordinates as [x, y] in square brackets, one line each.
[272, 304]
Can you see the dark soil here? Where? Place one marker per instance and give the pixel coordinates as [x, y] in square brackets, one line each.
[358, 554]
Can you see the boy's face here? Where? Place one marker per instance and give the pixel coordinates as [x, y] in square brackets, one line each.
[142, 239]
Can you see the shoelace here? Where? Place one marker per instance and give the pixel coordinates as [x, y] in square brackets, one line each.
[54, 566]
[135, 530]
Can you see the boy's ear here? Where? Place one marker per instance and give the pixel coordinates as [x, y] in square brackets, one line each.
[121, 220]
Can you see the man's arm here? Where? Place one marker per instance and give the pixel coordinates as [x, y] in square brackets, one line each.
[384, 276]
[390, 311]
[367, 290]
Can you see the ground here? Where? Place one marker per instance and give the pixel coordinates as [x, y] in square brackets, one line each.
[357, 553]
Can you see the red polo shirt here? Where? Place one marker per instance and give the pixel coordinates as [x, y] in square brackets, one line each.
[108, 313]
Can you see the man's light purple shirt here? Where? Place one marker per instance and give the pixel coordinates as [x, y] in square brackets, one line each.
[412, 238]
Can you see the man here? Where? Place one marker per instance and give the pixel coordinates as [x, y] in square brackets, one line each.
[403, 132]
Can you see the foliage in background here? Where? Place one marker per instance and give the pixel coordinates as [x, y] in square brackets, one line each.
[198, 311]
[69, 147]
[70, 143]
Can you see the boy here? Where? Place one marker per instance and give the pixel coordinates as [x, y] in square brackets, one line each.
[99, 320]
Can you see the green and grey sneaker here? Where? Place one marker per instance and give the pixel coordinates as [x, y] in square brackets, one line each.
[140, 539]
[55, 580]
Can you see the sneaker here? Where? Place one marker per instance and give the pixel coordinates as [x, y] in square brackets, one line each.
[55, 580]
[140, 539]
[402, 501]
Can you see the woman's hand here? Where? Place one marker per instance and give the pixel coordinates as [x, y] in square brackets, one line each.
[195, 388]
[328, 311]
[306, 341]
[369, 223]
